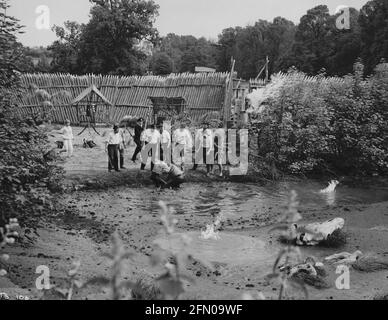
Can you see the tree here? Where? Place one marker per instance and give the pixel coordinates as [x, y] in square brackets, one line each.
[346, 46]
[252, 49]
[312, 47]
[65, 50]
[251, 45]
[227, 42]
[161, 64]
[282, 35]
[190, 59]
[10, 49]
[187, 52]
[374, 30]
[108, 41]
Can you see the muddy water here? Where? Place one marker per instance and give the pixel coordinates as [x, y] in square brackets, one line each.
[246, 208]
[230, 249]
[244, 201]
[241, 200]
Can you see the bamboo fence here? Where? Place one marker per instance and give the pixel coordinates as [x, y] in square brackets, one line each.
[129, 96]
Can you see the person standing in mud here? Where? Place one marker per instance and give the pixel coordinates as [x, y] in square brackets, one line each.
[113, 148]
[137, 138]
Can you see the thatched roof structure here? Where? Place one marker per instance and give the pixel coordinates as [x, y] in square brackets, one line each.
[92, 89]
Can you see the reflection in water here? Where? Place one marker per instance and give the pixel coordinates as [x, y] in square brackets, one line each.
[330, 198]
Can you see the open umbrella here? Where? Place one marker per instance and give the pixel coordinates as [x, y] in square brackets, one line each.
[128, 122]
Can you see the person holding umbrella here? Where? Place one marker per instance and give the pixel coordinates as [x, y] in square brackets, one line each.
[137, 138]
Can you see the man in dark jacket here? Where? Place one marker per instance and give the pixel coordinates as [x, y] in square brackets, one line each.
[137, 138]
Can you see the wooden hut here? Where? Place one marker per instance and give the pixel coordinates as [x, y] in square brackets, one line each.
[166, 108]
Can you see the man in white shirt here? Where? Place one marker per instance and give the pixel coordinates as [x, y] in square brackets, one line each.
[112, 146]
[151, 140]
[165, 145]
[182, 142]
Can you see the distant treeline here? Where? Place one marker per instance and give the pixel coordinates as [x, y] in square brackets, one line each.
[109, 43]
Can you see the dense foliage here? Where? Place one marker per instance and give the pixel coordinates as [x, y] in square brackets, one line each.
[161, 64]
[250, 46]
[187, 52]
[108, 43]
[26, 175]
[65, 49]
[319, 124]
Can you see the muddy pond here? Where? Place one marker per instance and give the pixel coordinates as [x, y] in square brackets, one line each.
[245, 209]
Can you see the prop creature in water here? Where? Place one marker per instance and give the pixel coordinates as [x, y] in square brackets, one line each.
[331, 188]
[314, 233]
[211, 232]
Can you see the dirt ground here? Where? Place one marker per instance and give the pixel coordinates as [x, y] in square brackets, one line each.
[83, 232]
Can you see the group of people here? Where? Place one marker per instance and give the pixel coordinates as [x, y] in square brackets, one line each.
[165, 173]
[158, 138]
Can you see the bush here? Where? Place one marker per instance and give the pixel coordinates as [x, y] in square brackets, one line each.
[319, 125]
[27, 177]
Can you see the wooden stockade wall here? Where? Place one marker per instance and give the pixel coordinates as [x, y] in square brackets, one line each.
[203, 93]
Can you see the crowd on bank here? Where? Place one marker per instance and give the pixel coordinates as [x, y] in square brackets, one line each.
[156, 143]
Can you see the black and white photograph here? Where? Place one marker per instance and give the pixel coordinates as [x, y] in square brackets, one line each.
[193, 155]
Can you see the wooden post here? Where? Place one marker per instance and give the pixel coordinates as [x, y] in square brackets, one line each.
[228, 95]
[267, 70]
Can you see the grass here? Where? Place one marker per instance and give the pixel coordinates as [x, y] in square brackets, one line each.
[317, 281]
[381, 297]
[336, 240]
[146, 290]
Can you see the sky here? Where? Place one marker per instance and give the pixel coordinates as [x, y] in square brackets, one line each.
[200, 18]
